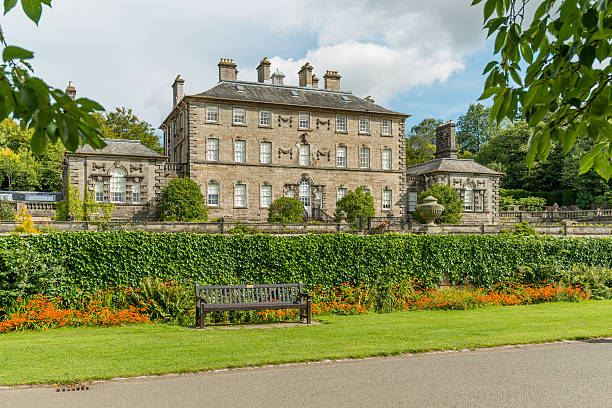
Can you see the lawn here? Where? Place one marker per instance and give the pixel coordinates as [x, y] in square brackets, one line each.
[73, 354]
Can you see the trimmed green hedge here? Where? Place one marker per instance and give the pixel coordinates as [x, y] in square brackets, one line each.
[96, 260]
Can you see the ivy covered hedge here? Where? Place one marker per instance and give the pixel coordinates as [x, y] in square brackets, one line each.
[96, 260]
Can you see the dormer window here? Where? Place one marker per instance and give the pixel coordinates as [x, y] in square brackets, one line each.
[345, 98]
[294, 93]
[240, 88]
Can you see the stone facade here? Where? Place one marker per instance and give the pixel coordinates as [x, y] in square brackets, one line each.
[477, 185]
[136, 172]
[268, 141]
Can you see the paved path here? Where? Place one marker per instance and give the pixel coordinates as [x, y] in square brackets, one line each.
[574, 374]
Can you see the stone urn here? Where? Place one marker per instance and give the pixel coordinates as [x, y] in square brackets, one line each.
[430, 210]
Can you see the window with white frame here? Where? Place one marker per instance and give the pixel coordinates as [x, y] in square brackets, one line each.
[290, 193]
[319, 198]
[265, 152]
[212, 194]
[412, 200]
[117, 185]
[265, 118]
[240, 151]
[340, 193]
[387, 199]
[239, 117]
[468, 197]
[304, 122]
[386, 159]
[265, 195]
[136, 193]
[341, 124]
[99, 191]
[212, 113]
[480, 201]
[212, 149]
[240, 195]
[364, 125]
[366, 190]
[341, 156]
[304, 154]
[364, 157]
[385, 127]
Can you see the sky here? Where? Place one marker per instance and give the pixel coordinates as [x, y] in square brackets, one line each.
[423, 58]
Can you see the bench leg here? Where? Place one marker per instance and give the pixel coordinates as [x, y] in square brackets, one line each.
[197, 315]
[308, 312]
[202, 319]
[302, 315]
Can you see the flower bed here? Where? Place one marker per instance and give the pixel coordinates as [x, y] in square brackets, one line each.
[40, 313]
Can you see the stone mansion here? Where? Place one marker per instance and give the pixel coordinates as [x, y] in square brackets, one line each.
[249, 143]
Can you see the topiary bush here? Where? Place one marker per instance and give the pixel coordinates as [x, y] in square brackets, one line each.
[286, 210]
[182, 200]
[355, 204]
[449, 198]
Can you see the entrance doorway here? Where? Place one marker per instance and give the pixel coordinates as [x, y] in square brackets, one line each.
[306, 196]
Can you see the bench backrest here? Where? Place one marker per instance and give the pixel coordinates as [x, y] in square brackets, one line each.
[282, 293]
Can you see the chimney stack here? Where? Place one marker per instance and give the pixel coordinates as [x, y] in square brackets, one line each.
[445, 141]
[71, 91]
[263, 71]
[315, 81]
[227, 70]
[177, 90]
[305, 75]
[332, 80]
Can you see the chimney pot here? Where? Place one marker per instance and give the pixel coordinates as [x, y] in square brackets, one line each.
[445, 141]
[177, 90]
[315, 81]
[227, 70]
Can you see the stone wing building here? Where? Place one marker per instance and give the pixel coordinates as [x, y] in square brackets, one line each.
[249, 143]
[125, 173]
[477, 185]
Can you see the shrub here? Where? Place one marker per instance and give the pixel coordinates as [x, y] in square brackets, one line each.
[7, 211]
[286, 210]
[182, 200]
[449, 198]
[596, 280]
[522, 229]
[26, 271]
[26, 225]
[605, 198]
[532, 203]
[72, 204]
[506, 203]
[165, 301]
[355, 204]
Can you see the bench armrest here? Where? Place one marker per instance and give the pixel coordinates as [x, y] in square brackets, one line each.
[304, 295]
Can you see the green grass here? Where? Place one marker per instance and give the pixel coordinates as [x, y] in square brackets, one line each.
[75, 354]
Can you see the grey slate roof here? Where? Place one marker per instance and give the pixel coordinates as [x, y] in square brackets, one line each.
[447, 165]
[310, 97]
[120, 147]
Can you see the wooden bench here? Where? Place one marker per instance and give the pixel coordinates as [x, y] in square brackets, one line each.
[251, 297]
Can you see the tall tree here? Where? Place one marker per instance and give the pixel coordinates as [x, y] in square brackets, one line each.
[566, 49]
[122, 123]
[427, 127]
[475, 127]
[51, 113]
[11, 165]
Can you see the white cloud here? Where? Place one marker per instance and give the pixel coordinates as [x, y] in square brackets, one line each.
[127, 53]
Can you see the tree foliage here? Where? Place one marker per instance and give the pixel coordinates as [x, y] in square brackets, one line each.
[122, 123]
[356, 204]
[566, 49]
[449, 198]
[420, 146]
[50, 112]
[182, 200]
[286, 210]
[474, 128]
